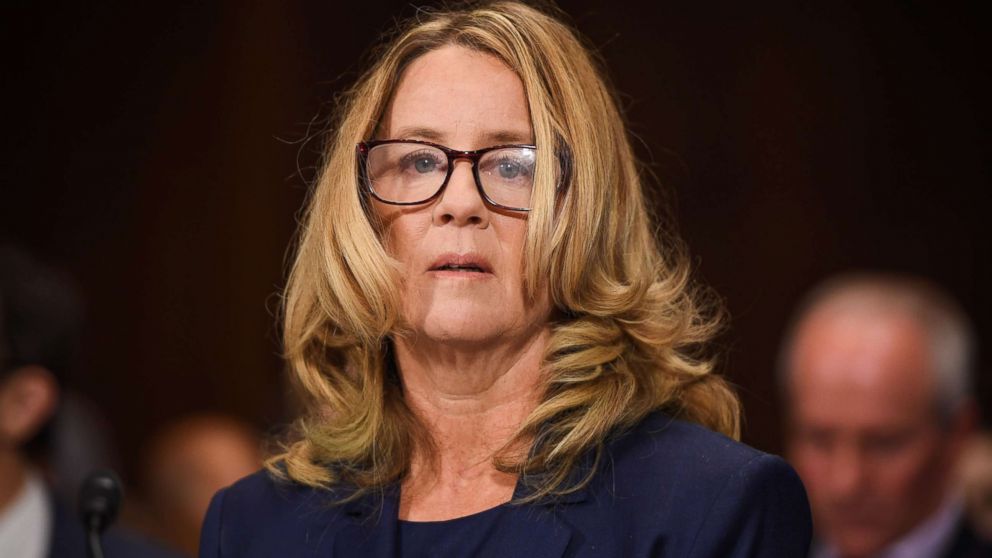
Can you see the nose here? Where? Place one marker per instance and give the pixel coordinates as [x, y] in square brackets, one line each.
[848, 474]
[461, 202]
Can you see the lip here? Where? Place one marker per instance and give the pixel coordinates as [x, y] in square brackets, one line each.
[462, 260]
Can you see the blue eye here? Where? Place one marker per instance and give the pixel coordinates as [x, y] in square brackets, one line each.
[424, 165]
[422, 162]
[509, 169]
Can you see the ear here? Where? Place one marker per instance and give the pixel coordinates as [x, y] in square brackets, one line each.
[28, 398]
[965, 422]
[961, 429]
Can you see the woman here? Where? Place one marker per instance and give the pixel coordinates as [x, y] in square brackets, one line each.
[495, 350]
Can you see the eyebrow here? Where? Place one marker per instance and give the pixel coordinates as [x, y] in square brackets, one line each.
[496, 137]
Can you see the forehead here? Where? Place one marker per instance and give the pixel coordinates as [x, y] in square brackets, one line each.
[861, 369]
[455, 94]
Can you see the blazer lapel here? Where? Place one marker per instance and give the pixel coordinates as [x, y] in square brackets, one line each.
[370, 526]
[529, 530]
[537, 529]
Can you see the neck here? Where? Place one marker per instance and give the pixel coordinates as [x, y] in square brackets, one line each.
[13, 475]
[472, 402]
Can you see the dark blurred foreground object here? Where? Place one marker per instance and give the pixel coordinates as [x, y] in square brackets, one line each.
[877, 375]
[40, 316]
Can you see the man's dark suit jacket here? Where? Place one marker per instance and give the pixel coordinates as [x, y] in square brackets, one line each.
[967, 544]
[666, 488]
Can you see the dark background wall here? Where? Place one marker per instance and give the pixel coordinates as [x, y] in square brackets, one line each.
[160, 156]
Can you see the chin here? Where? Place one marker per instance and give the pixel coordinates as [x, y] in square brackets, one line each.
[477, 334]
[861, 543]
[456, 324]
[465, 338]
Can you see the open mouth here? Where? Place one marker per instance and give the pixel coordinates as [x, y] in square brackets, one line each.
[473, 268]
[461, 263]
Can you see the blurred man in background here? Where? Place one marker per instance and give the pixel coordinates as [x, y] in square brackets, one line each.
[975, 482]
[876, 375]
[186, 464]
[38, 321]
[40, 318]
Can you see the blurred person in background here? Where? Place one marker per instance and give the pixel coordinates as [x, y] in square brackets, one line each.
[40, 318]
[186, 464]
[975, 478]
[876, 374]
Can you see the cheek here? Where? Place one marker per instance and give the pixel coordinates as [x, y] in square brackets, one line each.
[813, 466]
[908, 471]
[404, 235]
[805, 460]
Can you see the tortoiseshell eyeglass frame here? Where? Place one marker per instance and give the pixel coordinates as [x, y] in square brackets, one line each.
[365, 147]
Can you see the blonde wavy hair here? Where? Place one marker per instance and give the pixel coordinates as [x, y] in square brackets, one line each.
[627, 325]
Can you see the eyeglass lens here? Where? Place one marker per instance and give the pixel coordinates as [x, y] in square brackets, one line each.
[411, 173]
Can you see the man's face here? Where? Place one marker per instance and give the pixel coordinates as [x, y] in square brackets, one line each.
[865, 435]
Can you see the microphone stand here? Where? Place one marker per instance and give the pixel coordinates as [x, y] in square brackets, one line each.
[99, 501]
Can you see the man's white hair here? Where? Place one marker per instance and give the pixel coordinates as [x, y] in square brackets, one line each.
[945, 324]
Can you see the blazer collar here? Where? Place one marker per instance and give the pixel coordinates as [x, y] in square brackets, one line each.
[371, 526]
[585, 464]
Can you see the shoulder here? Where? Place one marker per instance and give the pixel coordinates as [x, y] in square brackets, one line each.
[662, 446]
[260, 514]
[706, 494]
[260, 490]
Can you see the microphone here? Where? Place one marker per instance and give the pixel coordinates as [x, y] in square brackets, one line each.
[99, 501]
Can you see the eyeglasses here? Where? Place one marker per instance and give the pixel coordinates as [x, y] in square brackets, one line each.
[411, 172]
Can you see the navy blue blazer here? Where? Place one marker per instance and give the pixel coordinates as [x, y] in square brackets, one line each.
[666, 488]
